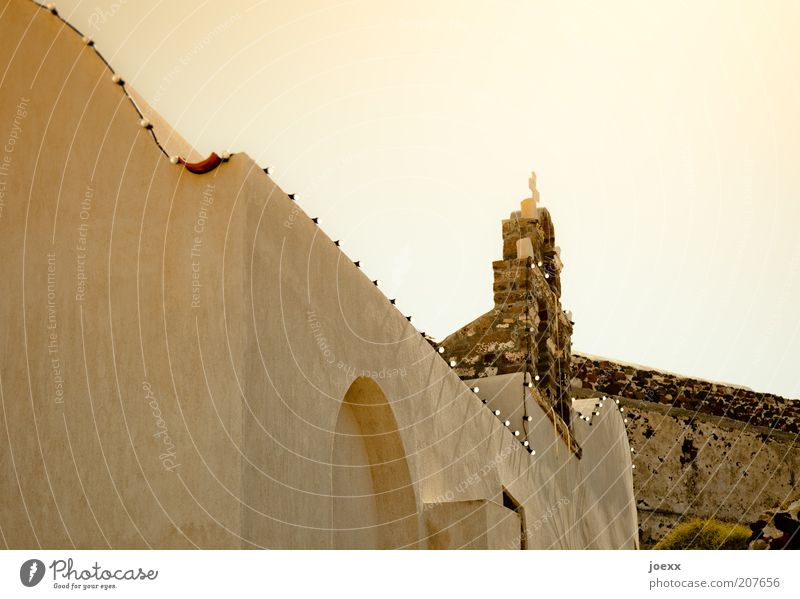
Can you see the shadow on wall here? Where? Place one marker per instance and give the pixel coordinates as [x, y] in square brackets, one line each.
[373, 501]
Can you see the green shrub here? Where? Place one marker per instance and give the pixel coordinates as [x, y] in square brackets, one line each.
[706, 534]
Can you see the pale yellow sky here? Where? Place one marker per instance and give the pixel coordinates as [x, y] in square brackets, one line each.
[666, 137]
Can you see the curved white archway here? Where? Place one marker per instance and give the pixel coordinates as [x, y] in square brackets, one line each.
[373, 503]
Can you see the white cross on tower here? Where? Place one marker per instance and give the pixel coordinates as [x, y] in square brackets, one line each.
[528, 205]
[532, 187]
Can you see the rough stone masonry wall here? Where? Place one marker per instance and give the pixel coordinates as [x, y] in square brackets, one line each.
[701, 449]
[690, 464]
[737, 403]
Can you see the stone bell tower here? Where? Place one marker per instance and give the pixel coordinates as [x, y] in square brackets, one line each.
[527, 331]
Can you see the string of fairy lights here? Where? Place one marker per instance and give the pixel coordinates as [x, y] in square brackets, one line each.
[596, 412]
[529, 384]
[147, 125]
[529, 355]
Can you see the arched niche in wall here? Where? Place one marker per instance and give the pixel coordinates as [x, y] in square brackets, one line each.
[373, 501]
